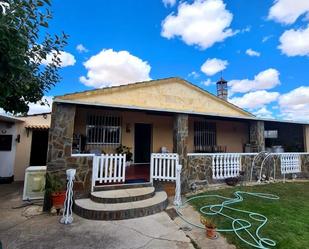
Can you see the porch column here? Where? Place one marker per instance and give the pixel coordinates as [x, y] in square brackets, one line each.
[180, 143]
[60, 137]
[60, 140]
[257, 139]
[306, 138]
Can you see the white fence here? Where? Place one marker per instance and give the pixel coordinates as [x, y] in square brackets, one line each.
[225, 165]
[108, 168]
[163, 166]
[290, 163]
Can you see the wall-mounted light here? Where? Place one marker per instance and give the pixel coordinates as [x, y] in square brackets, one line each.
[18, 138]
[128, 128]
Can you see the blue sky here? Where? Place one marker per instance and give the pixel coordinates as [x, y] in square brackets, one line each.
[262, 47]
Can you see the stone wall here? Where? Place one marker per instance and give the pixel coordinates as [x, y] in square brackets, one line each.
[199, 169]
[59, 157]
[257, 139]
[180, 143]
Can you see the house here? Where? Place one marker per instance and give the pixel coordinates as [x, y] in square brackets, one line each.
[23, 143]
[157, 116]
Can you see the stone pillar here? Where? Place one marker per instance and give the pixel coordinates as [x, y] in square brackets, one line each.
[180, 144]
[60, 140]
[306, 138]
[257, 139]
[60, 136]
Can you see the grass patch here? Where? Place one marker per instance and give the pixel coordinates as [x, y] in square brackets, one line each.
[288, 217]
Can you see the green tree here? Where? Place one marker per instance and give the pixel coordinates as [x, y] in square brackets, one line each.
[24, 44]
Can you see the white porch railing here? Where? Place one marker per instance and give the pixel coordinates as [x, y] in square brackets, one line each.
[166, 167]
[108, 168]
[225, 165]
[290, 163]
[163, 166]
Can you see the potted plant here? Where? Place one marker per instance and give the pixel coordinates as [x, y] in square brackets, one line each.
[55, 188]
[125, 150]
[210, 227]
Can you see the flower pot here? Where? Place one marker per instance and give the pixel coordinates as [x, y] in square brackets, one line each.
[58, 199]
[211, 232]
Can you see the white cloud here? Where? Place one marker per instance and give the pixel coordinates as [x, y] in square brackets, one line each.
[208, 82]
[295, 104]
[213, 66]
[254, 100]
[81, 48]
[111, 68]
[202, 23]
[263, 113]
[194, 75]
[251, 52]
[266, 38]
[295, 42]
[170, 3]
[35, 108]
[66, 59]
[264, 80]
[287, 11]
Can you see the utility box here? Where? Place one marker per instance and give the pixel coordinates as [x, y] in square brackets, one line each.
[34, 184]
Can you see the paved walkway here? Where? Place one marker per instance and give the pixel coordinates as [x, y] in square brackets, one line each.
[198, 235]
[28, 228]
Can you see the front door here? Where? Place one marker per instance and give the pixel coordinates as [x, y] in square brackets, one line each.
[39, 148]
[142, 143]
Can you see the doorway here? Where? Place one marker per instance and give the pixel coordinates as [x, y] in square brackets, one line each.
[39, 148]
[142, 142]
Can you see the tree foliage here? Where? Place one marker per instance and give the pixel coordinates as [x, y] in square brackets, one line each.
[24, 44]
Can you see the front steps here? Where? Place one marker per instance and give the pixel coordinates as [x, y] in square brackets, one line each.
[121, 203]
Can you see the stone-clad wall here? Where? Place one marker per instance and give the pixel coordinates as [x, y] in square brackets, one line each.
[200, 168]
[257, 139]
[59, 157]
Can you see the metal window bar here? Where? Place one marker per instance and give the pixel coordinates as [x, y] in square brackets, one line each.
[204, 135]
[103, 130]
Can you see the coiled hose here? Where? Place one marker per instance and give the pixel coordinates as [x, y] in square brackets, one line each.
[237, 223]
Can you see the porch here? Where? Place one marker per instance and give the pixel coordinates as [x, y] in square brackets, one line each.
[90, 129]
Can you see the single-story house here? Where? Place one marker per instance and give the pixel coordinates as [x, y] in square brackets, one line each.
[157, 116]
[23, 143]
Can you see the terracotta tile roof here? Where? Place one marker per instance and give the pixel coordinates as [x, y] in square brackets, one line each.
[37, 127]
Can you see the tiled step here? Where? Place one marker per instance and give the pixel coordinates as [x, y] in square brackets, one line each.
[89, 209]
[122, 195]
[122, 186]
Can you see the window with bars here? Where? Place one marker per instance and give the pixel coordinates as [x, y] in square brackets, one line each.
[205, 136]
[103, 130]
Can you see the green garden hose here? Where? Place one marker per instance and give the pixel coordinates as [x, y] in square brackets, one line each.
[237, 223]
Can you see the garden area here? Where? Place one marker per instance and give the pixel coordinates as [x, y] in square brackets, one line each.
[288, 216]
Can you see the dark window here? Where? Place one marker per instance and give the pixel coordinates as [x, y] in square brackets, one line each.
[205, 136]
[6, 142]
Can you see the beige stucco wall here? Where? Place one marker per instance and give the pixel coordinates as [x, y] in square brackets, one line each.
[169, 94]
[231, 134]
[22, 153]
[162, 128]
[306, 138]
[23, 149]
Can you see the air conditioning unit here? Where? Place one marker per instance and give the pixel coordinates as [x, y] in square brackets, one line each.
[34, 185]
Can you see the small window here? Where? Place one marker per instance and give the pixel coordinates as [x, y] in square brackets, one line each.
[103, 130]
[205, 136]
[6, 142]
[271, 134]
